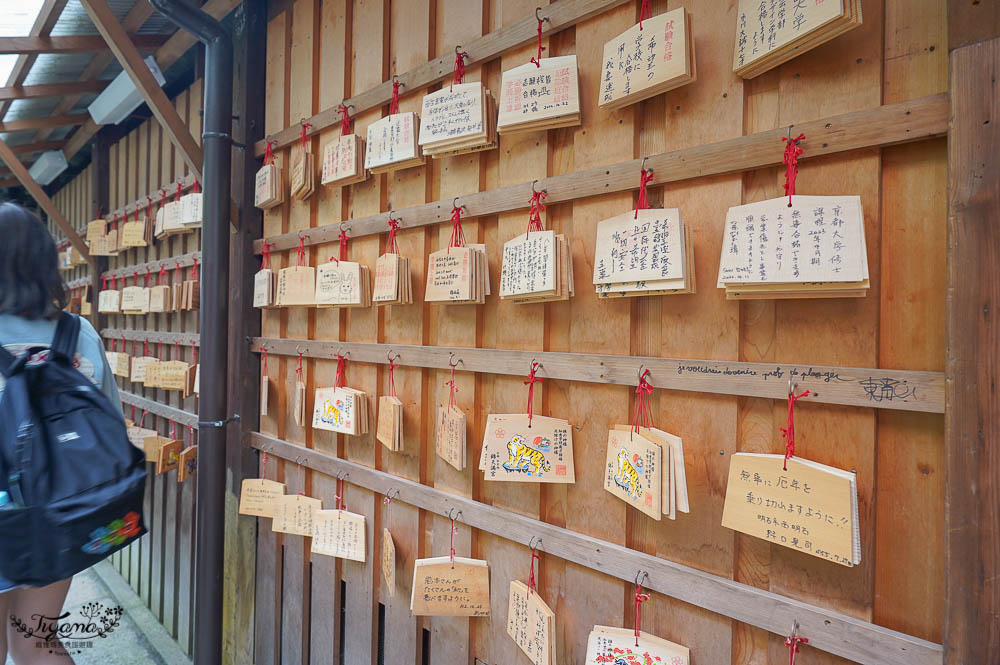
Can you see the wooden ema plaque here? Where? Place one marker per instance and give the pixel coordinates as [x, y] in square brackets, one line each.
[343, 284]
[514, 451]
[137, 436]
[648, 253]
[187, 464]
[648, 60]
[389, 430]
[339, 534]
[392, 281]
[442, 587]
[675, 493]
[449, 440]
[768, 34]
[168, 456]
[531, 624]
[296, 286]
[96, 229]
[259, 496]
[268, 191]
[264, 288]
[343, 161]
[632, 471]
[811, 507]
[389, 561]
[609, 645]
[293, 513]
[544, 97]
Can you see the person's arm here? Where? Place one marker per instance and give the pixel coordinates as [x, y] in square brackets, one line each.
[90, 346]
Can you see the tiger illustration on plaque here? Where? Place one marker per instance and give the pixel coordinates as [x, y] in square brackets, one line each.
[627, 475]
[527, 459]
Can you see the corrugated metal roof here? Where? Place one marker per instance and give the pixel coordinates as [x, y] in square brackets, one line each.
[58, 68]
[74, 19]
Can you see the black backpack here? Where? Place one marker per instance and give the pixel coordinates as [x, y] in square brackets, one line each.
[74, 481]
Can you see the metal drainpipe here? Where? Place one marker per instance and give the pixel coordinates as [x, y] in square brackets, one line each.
[216, 140]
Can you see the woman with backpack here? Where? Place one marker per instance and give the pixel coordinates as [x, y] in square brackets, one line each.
[32, 297]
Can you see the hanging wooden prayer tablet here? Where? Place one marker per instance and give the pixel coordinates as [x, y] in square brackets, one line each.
[96, 229]
[674, 486]
[389, 561]
[265, 382]
[768, 34]
[268, 190]
[152, 445]
[258, 496]
[187, 463]
[514, 451]
[140, 365]
[109, 301]
[643, 253]
[449, 440]
[137, 436]
[299, 407]
[458, 119]
[531, 624]
[152, 373]
[191, 210]
[296, 286]
[649, 58]
[446, 587]
[389, 430]
[159, 299]
[535, 98]
[609, 645]
[392, 281]
[293, 513]
[456, 275]
[134, 234]
[172, 219]
[343, 284]
[264, 288]
[392, 143]
[168, 456]
[632, 471]
[343, 161]
[173, 374]
[810, 507]
[343, 410]
[814, 248]
[340, 534]
[536, 267]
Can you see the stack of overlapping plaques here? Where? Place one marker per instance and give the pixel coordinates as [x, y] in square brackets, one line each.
[457, 120]
[540, 97]
[392, 143]
[644, 253]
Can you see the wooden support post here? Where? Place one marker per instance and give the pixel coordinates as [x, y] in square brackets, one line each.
[131, 61]
[972, 406]
[239, 587]
[43, 199]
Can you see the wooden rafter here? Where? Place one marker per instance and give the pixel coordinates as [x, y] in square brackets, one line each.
[131, 61]
[40, 123]
[167, 55]
[9, 182]
[38, 146]
[132, 22]
[46, 20]
[51, 90]
[50, 208]
[71, 44]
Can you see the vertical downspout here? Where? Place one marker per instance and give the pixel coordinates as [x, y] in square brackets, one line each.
[217, 146]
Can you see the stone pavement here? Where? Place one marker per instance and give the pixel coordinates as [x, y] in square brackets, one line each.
[139, 639]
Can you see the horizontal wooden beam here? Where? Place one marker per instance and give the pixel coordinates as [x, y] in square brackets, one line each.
[71, 44]
[170, 263]
[179, 416]
[44, 122]
[830, 631]
[39, 146]
[51, 89]
[891, 124]
[43, 200]
[558, 16]
[152, 336]
[905, 390]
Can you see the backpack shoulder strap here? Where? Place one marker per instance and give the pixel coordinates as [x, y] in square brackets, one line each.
[66, 335]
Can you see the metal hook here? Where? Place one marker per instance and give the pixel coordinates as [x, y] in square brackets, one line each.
[540, 19]
[299, 350]
[535, 191]
[394, 218]
[342, 475]
[532, 545]
[392, 493]
[454, 204]
[791, 387]
[452, 515]
[451, 360]
[395, 79]
[640, 577]
[458, 47]
[642, 166]
[391, 357]
[641, 368]
[540, 365]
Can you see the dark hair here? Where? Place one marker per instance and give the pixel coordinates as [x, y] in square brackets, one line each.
[30, 283]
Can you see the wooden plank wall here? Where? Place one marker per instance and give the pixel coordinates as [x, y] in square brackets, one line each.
[74, 201]
[160, 567]
[321, 51]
